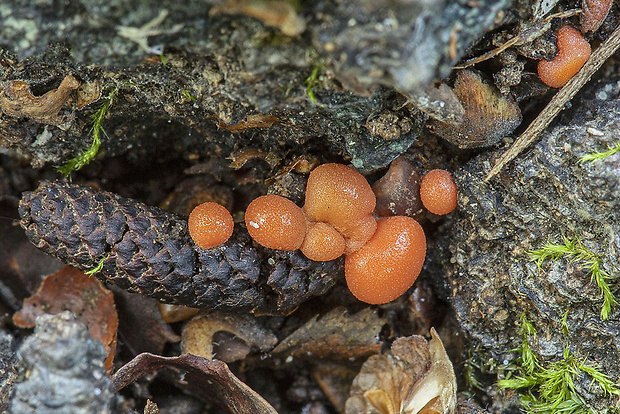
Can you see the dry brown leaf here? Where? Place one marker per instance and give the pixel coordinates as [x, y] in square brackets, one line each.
[17, 100]
[252, 121]
[275, 13]
[416, 376]
[210, 380]
[176, 313]
[440, 103]
[489, 116]
[335, 380]
[141, 327]
[83, 295]
[88, 93]
[336, 335]
[198, 336]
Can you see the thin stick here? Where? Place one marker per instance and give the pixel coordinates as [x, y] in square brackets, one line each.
[553, 108]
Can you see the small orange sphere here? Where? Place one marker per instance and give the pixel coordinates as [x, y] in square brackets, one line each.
[322, 243]
[386, 266]
[438, 192]
[573, 52]
[276, 222]
[337, 194]
[210, 225]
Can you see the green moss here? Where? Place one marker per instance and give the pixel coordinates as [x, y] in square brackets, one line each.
[187, 94]
[549, 387]
[595, 156]
[271, 38]
[97, 118]
[99, 266]
[575, 251]
[314, 81]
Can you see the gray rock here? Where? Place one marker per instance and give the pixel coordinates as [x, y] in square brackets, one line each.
[61, 370]
[542, 196]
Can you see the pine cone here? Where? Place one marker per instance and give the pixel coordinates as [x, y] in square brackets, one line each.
[147, 250]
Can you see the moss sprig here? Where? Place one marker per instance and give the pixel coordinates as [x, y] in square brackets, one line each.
[576, 251]
[99, 266]
[314, 81]
[74, 164]
[550, 387]
[600, 155]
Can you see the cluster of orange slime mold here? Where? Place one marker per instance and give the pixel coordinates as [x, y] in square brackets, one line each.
[383, 256]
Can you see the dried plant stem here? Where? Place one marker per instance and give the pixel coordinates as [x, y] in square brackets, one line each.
[553, 108]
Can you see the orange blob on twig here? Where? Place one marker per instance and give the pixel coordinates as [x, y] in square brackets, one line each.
[210, 225]
[573, 52]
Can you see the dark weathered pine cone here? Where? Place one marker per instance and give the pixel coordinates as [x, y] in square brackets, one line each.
[147, 250]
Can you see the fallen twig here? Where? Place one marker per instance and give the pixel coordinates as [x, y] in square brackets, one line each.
[553, 108]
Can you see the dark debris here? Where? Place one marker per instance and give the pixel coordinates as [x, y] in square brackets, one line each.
[146, 250]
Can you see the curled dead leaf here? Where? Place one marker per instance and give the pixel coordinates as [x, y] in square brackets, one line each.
[16, 99]
[198, 336]
[210, 380]
[84, 296]
[252, 121]
[416, 376]
[489, 116]
[88, 93]
[275, 13]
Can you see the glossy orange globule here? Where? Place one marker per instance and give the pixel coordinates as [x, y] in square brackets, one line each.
[386, 266]
[573, 52]
[322, 243]
[438, 192]
[341, 197]
[210, 225]
[276, 222]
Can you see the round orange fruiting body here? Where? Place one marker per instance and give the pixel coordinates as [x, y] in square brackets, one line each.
[573, 52]
[210, 225]
[322, 243]
[340, 196]
[438, 192]
[359, 233]
[386, 266]
[276, 222]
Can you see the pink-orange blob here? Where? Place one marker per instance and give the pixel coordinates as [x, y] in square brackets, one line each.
[210, 225]
[438, 192]
[322, 243]
[386, 266]
[573, 52]
[337, 194]
[340, 196]
[276, 222]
